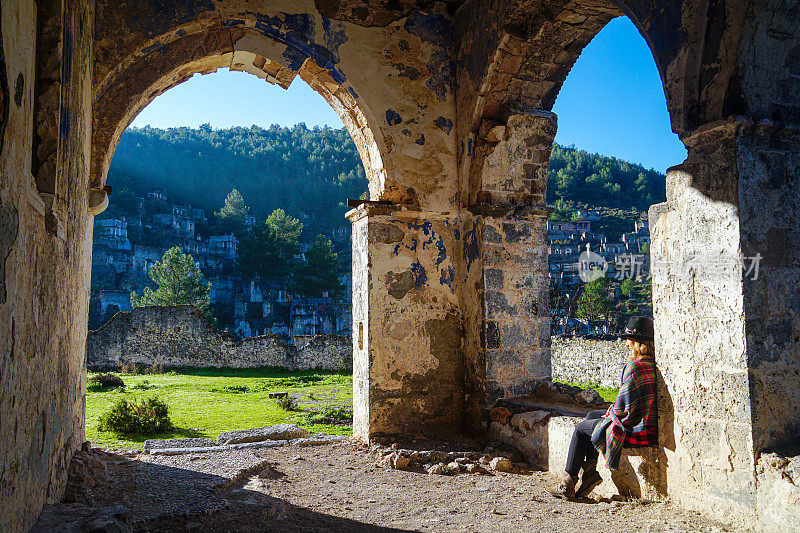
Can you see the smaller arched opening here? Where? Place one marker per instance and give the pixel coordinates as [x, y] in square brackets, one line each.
[540, 240]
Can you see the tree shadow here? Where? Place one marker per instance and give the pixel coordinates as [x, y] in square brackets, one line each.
[212, 496]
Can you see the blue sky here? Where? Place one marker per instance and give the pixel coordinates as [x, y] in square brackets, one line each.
[612, 102]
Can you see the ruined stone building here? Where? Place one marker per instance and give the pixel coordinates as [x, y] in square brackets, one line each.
[449, 103]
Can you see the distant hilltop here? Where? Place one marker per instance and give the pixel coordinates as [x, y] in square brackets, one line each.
[314, 171]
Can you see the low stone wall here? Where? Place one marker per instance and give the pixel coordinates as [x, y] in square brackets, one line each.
[580, 360]
[179, 336]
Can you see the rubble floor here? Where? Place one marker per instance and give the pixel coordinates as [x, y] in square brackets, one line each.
[338, 487]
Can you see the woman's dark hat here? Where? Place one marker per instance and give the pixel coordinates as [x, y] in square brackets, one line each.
[639, 328]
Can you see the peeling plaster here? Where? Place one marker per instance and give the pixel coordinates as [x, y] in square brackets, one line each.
[8, 236]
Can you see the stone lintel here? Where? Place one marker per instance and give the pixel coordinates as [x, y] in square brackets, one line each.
[739, 126]
[397, 211]
[534, 112]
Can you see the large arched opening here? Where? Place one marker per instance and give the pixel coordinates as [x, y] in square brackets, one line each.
[275, 49]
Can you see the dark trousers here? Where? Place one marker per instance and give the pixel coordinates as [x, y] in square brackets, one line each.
[581, 450]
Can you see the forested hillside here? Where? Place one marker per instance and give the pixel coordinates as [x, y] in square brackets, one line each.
[597, 180]
[296, 169]
[315, 171]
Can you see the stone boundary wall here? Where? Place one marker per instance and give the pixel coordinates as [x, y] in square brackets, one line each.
[179, 336]
[580, 360]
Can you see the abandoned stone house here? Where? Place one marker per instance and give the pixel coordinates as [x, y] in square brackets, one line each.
[449, 103]
[568, 240]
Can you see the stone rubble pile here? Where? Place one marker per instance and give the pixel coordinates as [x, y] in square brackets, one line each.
[789, 467]
[88, 482]
[493, 458]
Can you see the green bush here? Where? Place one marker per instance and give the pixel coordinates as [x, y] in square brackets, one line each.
[288, 403]
[148, 417]
[334, 415]
[143, 385]
[105, 381]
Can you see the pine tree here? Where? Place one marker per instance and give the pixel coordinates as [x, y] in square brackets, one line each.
[233, 213]
[287, 230]
[179, 282]
[261, 253]
[594, 304]
[319, 272]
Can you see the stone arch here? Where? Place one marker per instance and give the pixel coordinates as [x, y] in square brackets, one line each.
[507, 91]
[272, 51]
[533, 49]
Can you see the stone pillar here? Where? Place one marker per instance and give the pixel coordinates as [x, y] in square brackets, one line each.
[727, 341]
[409, 268]
[511, 203]
[516, 304]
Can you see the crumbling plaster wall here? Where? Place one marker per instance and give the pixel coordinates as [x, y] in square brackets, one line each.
[44, 290]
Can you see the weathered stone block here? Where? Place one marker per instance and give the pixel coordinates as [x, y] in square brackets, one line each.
[276, 432]
[496, 305]
[154, 444]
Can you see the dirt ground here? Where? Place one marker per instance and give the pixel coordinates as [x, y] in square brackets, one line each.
[338, 487]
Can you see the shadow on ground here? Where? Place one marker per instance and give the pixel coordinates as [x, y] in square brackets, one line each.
[123, 491]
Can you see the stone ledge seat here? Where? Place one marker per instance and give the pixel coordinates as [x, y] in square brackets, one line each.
[641, 473]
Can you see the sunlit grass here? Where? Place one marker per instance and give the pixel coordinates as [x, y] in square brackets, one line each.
[206, 402]
[609, 394]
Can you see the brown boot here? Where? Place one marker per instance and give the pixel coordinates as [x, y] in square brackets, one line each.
[589, 480]
[566, 488]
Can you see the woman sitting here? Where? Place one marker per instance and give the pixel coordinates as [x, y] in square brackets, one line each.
[631, 422]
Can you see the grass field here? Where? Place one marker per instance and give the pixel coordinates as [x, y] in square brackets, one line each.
[206, 402]
[609, 394]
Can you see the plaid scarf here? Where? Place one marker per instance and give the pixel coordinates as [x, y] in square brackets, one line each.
[632, 420]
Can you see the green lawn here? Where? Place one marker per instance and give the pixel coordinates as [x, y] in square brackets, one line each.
[609, 394]
[206, 402]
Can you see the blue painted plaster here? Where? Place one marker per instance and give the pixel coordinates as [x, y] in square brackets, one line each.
[66, 116]
[438, 31]
[472, 250]
[393, 118]
[297, 32]
[446, 277]
[443, 124]
[420, 276]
